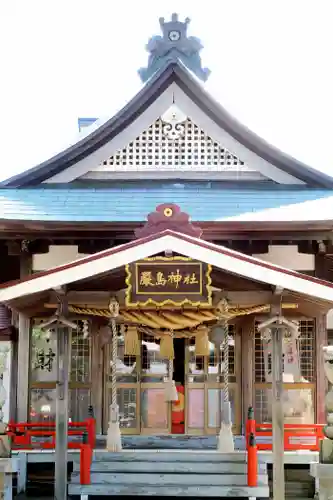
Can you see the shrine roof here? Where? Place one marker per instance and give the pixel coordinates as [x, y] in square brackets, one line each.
[309, 210]
[190, 90]
[130, 202]
[222, 258]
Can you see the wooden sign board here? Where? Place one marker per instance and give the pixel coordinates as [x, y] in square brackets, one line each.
[174, 281]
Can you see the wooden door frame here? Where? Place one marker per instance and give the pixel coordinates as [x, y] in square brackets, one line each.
[140, 385]
[207, 385]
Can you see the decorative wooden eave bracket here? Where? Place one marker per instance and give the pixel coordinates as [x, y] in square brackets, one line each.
[278, 321]
[60, 317]
[168, 216]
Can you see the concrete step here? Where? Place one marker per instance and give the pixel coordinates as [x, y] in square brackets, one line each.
[172, 467]
[168, 490]
[153, 479]
[169, 456]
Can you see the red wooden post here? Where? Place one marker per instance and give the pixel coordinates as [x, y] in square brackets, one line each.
[250, 426]
[252, 462]
[91, 429]
[85, 461]
[93, 425]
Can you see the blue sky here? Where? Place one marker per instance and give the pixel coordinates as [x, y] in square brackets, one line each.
[270, 59]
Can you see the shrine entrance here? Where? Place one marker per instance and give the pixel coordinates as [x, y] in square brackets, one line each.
[161, 314]
[141, 381]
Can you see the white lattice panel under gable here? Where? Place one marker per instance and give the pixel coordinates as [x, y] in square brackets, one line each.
[185, 147]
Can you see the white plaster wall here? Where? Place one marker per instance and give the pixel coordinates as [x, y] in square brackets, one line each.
[58, 255]
[289, 257]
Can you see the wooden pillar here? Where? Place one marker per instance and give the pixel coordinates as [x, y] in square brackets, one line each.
[63, 357]
[247, 348]
[322, 271]
[13, 382]
[97, 377]
[277, 414]
[23, 369]
[23, 355]
[321, 381]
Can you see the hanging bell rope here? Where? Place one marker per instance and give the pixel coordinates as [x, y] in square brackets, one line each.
[113, 442]
[222, 310]
[226, 362]
[225, 439]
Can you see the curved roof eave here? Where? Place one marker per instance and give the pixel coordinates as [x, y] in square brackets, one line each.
[171, 72]
[249, 139]
[98, 137]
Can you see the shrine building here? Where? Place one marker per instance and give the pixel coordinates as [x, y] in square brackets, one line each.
[194, 225]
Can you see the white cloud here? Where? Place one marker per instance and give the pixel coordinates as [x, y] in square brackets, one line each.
[270, 62]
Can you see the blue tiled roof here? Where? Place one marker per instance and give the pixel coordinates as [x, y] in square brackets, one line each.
[130, 203]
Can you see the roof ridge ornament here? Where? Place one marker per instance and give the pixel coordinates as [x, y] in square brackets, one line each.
[168, 216]
[174, 45]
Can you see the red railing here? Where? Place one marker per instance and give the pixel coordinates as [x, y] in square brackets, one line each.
[296, 436]
[30, 435]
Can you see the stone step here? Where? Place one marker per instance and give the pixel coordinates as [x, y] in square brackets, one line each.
[171, 441]
[154, 479]
[168, 490]
[190, 473]
[175, 467]
[169, 456]
[298, 475]
[299, 489]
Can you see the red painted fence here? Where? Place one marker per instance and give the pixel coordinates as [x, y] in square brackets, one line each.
[22, 438]
[296, 436]
[22, 434]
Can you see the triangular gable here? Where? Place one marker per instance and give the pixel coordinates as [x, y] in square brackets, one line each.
[164, 151]
[220, 257]
[172, 85]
